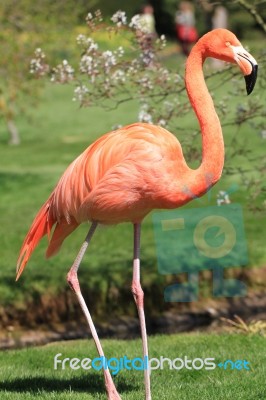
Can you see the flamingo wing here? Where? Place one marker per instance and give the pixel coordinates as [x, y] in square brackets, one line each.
[114, 180]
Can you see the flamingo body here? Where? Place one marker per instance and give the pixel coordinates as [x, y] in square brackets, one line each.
[119, 178]
[127, 173]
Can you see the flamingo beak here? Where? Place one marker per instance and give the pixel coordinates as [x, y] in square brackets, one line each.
[251, 79]
[248, 66]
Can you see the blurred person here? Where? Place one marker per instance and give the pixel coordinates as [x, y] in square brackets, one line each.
[185, 26]
[219, 20]
[147, 20]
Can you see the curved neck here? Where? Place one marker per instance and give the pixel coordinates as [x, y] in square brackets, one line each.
[212, 139]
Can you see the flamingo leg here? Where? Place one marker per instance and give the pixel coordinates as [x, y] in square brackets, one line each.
[139, 300]
[73, 282]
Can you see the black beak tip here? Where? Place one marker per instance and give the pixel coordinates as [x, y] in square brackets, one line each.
[251, 79]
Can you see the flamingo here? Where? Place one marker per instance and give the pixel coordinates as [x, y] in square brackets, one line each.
[128, 172]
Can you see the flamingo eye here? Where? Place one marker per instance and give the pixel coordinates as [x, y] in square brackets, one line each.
[228, 44]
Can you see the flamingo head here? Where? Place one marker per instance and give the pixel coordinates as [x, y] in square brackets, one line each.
[224, 45]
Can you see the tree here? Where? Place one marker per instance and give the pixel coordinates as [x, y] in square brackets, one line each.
[24, 25]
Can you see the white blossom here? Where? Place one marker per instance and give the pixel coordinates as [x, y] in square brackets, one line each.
[139, 23]
[91, 45]
[133, 68]
[80, 92]
[39, 53]
[144, 115]
[147, 57]
[135, 22]
[164, 75]
[63, 73]
[162, 122]
[109, 60]
[37, 65]
[177, 78]
[223, 198]
[162, 41]
[86, 64]
[89, 17]
[98, 15]
[146, 83]
[119, 18]
[168, 106]
[89, 65]
[87, 42]
[120, 51]
[119, 76]
[116, 126]
[81, 39]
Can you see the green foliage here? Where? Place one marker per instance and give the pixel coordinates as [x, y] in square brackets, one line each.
[23, 26]
[108, 8]
[41, 15]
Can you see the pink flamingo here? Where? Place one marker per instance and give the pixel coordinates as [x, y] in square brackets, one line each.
[127, 173]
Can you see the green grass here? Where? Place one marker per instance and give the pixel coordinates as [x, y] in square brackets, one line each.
[29, 373]
[55, 134]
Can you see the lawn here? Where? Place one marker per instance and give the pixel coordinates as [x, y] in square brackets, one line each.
[29, 373]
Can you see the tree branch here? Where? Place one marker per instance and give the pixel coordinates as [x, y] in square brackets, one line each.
[252, 10]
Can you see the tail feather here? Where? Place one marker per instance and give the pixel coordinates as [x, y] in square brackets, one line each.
[61, 231]
[41, 226]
